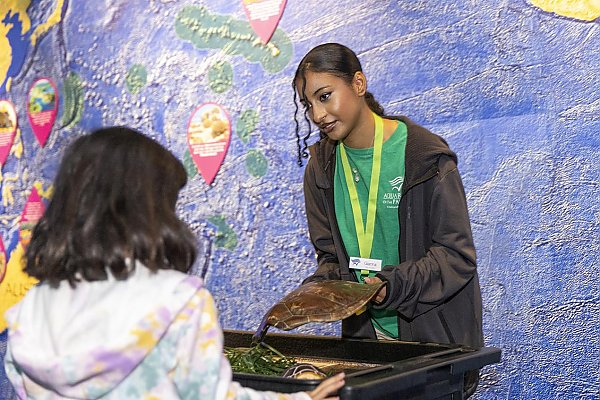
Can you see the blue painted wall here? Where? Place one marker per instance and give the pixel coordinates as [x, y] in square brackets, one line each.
[513, 88]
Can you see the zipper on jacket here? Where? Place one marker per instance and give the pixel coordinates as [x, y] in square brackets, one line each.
[329, 159]
[446, 327]
[418, 182]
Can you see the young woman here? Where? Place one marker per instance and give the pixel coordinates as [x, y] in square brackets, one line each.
[115, 315]
[385, 202]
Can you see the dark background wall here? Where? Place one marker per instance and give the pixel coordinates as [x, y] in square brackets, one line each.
[513, 85]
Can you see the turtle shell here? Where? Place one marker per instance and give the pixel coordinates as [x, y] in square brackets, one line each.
[321, 301]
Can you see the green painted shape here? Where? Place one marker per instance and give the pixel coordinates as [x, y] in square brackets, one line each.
[225, 237]
[189, 165]
[73, 100]
[234, 36]
[256, 163]
[247, 124]
[136, 78]
[220, 77]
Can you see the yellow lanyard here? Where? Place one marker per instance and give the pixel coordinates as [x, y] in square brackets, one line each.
[365, 236]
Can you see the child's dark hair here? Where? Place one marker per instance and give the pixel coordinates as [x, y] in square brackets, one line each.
[114, 202]
[335, 59]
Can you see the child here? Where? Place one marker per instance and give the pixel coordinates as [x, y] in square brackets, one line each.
[115, 315]
[387, 191]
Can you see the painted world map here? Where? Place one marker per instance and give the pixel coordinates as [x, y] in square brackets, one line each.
[513, 86]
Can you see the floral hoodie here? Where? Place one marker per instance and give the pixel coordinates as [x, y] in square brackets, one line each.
[152, 336]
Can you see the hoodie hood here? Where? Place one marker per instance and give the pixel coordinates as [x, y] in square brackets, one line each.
[82, 342]
[423, 151]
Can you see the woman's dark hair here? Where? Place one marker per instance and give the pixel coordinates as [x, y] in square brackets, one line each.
[114, 202]
[335, 59]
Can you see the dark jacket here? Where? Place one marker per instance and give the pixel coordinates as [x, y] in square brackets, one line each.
[435, 289]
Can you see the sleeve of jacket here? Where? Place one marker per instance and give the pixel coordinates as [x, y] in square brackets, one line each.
[319, 227]
[202, 369]
[13, 374]
[415, 287]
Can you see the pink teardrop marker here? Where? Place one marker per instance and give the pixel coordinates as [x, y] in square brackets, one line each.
[264, 15]
[209, 134]
[32, 212]
[3, 261]
[42, 107]
[8, 127]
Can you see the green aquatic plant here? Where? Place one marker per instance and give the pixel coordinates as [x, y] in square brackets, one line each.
[261, 359]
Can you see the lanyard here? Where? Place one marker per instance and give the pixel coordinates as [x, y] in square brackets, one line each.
[365, 236]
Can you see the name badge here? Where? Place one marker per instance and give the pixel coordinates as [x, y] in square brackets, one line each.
[370, 264]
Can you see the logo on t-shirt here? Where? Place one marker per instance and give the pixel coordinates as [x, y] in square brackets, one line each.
[397, 183]
[391, 197]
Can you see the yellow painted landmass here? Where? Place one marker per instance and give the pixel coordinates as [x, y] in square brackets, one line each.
[15, 283]
[7, 189]
[11, 8]
[6, 52]
[19, 7]
[53, 19]
[45, 194]
[585, 10]
[17, 147]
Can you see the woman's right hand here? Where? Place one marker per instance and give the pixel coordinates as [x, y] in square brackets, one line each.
[328, 387]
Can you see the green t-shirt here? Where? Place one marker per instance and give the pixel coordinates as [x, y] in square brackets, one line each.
[387, 226]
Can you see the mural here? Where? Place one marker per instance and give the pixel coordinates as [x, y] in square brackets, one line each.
[514, 86]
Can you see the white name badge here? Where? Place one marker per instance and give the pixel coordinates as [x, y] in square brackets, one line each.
[370, 264]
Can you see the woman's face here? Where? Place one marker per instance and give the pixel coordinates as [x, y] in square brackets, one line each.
[331, 103]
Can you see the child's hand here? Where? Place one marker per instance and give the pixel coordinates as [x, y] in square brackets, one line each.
[327, 387]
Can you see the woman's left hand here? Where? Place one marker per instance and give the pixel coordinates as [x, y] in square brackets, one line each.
[382, 293]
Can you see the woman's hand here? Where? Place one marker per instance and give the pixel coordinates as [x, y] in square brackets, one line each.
[381, 294]
[328, 387]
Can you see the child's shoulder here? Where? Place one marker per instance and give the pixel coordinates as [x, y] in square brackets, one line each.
[178, 278]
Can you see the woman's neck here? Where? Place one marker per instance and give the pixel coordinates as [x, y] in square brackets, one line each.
[363, 134]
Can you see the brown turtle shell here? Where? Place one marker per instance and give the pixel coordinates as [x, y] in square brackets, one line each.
[322, 301]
